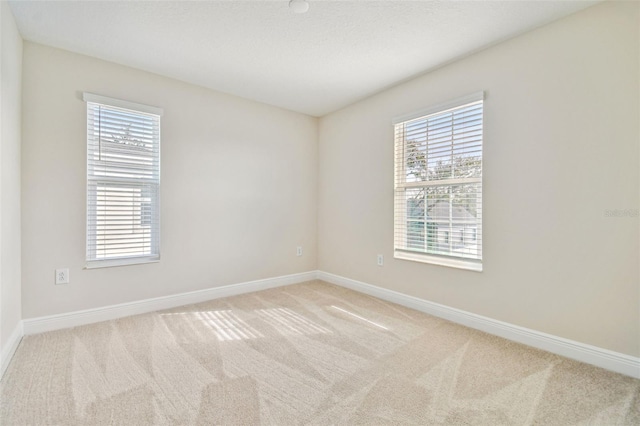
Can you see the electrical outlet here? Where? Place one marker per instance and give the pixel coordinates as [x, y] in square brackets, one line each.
[62, 276]
[298, 251]
[380, 260]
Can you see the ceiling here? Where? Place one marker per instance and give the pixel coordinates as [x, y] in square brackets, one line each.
[315, 63]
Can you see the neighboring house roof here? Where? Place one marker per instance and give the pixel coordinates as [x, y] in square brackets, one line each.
[440, 212]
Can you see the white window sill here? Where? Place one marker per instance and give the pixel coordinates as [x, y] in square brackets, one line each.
[469, 265]
[108, 263]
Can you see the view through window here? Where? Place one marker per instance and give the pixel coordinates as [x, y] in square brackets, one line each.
[438, 185]
[123, 182]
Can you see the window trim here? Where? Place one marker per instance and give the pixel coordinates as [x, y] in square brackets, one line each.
[143, 109]
[418, 256]
[452, 262]
[122, 261]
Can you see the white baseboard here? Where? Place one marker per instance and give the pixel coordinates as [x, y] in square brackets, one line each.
[10, 348]
[89, 316]
[614, 361]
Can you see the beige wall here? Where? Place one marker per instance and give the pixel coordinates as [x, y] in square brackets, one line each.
[10, 98]
[561, 147]
[238, 193]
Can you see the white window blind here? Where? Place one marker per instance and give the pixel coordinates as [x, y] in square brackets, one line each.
[438, 184]
[123, 182]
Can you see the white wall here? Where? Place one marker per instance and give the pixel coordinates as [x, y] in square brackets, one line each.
[238, 191]
[561, 147]
[10, 99]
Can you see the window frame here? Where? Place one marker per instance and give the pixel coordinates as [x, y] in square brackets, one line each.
[91, 206]
[400, 209]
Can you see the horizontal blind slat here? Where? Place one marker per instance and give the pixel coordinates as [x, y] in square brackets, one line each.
[438, 190]
[123, 178]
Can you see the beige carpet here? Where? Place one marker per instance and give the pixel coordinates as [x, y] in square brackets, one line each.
[310, 353]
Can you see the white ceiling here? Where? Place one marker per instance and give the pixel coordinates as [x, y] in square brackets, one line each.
[314, 63]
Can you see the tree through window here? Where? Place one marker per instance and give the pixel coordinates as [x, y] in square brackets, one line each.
[438, 184]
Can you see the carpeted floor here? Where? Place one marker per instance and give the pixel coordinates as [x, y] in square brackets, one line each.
[310, 353]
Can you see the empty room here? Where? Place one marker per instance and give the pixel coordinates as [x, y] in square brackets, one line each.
[289, 212]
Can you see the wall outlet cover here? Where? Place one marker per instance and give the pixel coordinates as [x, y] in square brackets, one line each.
[62, 276]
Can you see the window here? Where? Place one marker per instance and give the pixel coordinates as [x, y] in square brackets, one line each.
[123, 182]
[438, 184]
